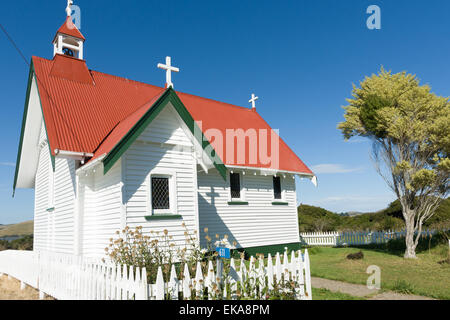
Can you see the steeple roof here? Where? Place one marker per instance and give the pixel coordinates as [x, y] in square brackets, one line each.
[70, 29]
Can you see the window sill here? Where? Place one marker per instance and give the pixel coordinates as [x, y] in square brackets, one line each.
[163, 217]
[280, 203]
[238, 203]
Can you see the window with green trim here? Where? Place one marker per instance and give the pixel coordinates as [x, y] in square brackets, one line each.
[162, 193]
[235, 186]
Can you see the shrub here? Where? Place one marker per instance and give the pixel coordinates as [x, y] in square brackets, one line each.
[25, 243]
[403, 287]
[133, 248]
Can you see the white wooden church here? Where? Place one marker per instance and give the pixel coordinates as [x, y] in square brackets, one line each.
[104, 152]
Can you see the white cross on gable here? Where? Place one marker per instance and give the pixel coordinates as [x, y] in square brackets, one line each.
[169, 69]
[253, 101]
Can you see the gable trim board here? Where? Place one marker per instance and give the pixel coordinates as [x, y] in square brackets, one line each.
[169, 96]
[32, 79]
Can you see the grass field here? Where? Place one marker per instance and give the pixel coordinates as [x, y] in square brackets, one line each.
[323, 294]
[20, 229]
[424, 276]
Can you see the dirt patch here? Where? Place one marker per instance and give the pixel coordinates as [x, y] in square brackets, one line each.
[355, 290]
[10, 290]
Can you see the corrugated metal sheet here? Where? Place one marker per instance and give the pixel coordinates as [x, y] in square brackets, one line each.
[89, 111]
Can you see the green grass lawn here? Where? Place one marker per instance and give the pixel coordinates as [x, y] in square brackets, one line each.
[424, 276]
[324, 294]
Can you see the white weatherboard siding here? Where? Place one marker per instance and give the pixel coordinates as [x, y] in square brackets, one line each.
[162, 147]
[101, 213]
[41, 235]
[64, 203]
[54, 229]
[257, 224]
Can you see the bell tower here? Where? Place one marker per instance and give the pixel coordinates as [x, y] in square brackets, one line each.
[68, 39]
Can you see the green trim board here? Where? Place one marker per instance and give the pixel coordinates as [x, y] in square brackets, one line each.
[237, 203]
[31, 77]
[272, 249]
[168, 96]
[163, 217]
[280, 203]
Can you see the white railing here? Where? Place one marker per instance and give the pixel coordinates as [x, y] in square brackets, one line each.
[254, 280]
[320, 238]
[21, 265]
[67, 277]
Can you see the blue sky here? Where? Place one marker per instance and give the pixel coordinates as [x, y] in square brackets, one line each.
[300, 58]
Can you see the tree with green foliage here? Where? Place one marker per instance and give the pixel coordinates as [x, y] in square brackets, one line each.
[409, 127]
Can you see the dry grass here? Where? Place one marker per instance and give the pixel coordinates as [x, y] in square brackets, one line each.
[20, 229]
[10, 290]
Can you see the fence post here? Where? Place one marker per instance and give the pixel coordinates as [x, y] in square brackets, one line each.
[199, 281]
[186, 283]
[308, 275]
[173, 284]
[160, 285]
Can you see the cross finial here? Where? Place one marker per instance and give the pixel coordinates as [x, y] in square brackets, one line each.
[169, 69]
[69, 8]
[253, 101]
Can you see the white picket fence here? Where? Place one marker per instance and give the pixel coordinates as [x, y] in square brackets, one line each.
[67, 277]
[21, 265]
[257, 278]
[355, 237]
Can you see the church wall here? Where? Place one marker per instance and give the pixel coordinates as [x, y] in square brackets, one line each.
[163, 148]
[100, 210]
[41, 216]
[260, 223]
[54, 202]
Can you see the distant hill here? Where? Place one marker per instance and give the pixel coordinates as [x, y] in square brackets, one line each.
[20, 229]
[355, 213]
[313, 219]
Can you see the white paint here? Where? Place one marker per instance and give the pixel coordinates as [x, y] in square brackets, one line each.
[69, 8]
[29, 157]
[163, 148]
[101, 212]
[257, 224]
[253, 101]
[169, 69]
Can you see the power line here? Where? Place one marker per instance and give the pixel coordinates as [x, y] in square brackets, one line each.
[14, 44]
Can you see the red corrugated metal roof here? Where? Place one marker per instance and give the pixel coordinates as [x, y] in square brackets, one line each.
[89, 111]
[70, 29]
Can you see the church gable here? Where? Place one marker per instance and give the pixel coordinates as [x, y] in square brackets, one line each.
[32, 135]
[166, 129]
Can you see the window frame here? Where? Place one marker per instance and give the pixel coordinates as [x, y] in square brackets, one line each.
[242, 198]
[273, 189]
[173, 210]
[282, 187]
